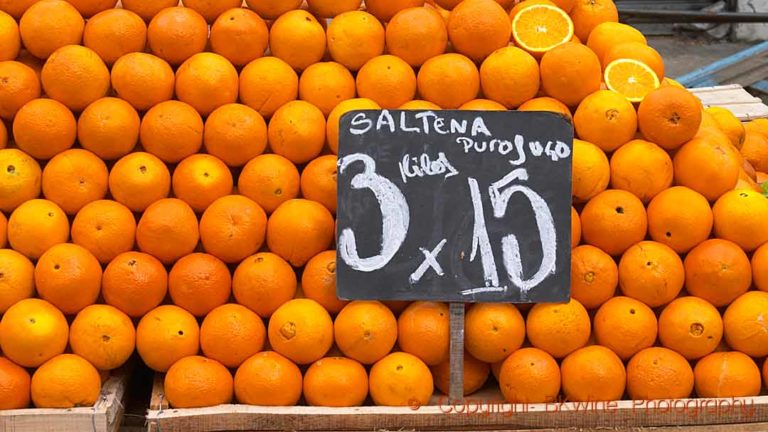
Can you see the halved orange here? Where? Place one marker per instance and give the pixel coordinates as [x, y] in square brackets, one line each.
[540, 27]
[631, 78]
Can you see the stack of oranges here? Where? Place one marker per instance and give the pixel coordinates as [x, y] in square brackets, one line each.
[168, 175]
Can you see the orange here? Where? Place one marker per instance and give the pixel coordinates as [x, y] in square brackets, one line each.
[325, 85]
[318, 281]
[49, 25]
[680, 218]
[233, 228]
[416, 35]
[545, 104]
[726, 374]
[75, 76]
[114, 33]
[449, 80]
[538, 28]
[195, 382]
[33, 331]
[757, 125]
[69, 277]
[492, 331]
[297, 131]
[625, 326]
[75, 178]
[105, 228]
[165, 335]
[16, 278]
[103, 335]
[606, 35]
[36, 226]
[659, 373]
[20, 179]
[3, 230]
[65, 381]
[139, 179]
[239, 35]
[172, 130]
[263, 283]
[717, 271]
[590, 171]
[16, 385]
[207, 81]
[354, 38]
[740, 217]
[318, 181]
[608, 120]
[593, 373]
[271, 9]
[109, 127]
[230, 334]
[44, 128]
[365, 331]
[269, 180]
[9, 36]
[384, 10]
[268, 83]
[20, 85]
[268, 379]
[176, 34]
[135, 283]
[707, 167]
[212, 9]
[445, 5]
[332, 126]
[575, 228]
[235, 134]
[570, 72]
[424, 331]
[199, 283]
[744, 324]
[594, 276]
[331, 8]
[641, 167]
[475, 375]
[525, 4]
[755, 150]
[729, 124]
[637, 51]
[301, 330]
[335, 382]
[760, 268]
[147, 9]
[167, 230]
[558, 328]
[529, 375]
[386, 80]
[201, 179]
[476, 28]
[691, 326]
[630, 78]
[297, 38]
[483, 105]
[651, 272]
[669, 116]
[16, 8]
[419, 105]
[89, 8]
[613, 221]
[143, 80]
[300, 229]
[509, 76]
[400, 379]
[588, 14]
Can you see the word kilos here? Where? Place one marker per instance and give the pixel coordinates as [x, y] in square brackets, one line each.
[479, 138]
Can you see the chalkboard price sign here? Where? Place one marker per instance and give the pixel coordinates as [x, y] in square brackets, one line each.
[459, 206]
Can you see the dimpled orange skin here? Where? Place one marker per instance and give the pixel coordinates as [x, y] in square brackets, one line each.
[268, 83]
[135, 283]
[268, 379]
[423, 329]
[593, 373]
[75, 178]
[760, 268]
[106, 228]
[75, 76]
[510, 76]
[69, 277]
[727, 374]
[669, 116]
[201, 179]
[33, 331]
[9, 36]
[103, 335]
[707, 167]
[652, 273]
[659, 373]
[240, 35]
[172, 130]
[493, 331]
[138, 180]
[297, 38]
[387, 80]
[207, 81]
[400, 379]
[475, 375]
[718, 271]
[591, 171]
[235, 134]
[44, 128]
[271, 9]
[165, 335]
[263, 283]
[448, 80]
[168, 230]
[233, 228]
[109, 128]
[416, 35]
[300, 229]
[325, 85]
[297, 132]
[114, 33]
[176, 34]
[269, 180]
[680, 217]
[199, 283]
[17, 281]
[16, 385]
[196, 381]
[691, 326]
[301, 330]
[745, 327]
[477, 28]
[143, 80]
[332, 127]
[625, 326]
[331, 8]
[318, 281]
[740, 217]
[49, 25]
[231, 334]
[529, 375]
[614, 220]
[570, 72]
[642, 168]
[606, 119]
[65, 381]
[318, 181]
[35, 226]
[20, 179]
[558, 328]
[21, 85]
[354, 38]
[365, 331]
[336, 382]
[594, 276]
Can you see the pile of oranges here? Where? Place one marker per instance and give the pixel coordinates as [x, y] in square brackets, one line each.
[168, 175]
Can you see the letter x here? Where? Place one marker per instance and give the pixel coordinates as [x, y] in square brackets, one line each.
[430, 261]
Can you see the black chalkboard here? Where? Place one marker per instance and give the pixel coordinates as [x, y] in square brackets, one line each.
[460, 206]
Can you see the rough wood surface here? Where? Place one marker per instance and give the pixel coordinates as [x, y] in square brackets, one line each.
[734, 98]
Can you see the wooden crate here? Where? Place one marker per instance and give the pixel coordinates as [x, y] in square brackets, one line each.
[483, 411]
[105, 416]
[734, 98]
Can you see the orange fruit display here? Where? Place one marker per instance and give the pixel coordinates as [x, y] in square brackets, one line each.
[318, 281]
[546, 103]
[387, 80]
[354, 38]
[32, 332]
[651, 272]
[691, 326]
[16, 385]
[331, 8]
[416, 35]
[36, 226]
[75, 178]
[297, 131]
[318, 181]
[729, 124]
[176, 34]
[268, 379]
[49, 25]
[271, 9]
[269, 180]
[529, 375]
[659, 373]
[423, 330]
[171, 130]
[114, 33]
[558, 328]
[297, 38]
[69, 277]
[593, 373]
[483, 105]
[755, 150]
[639, 52]
[298, 242]
[669, 116]
[475, 375]
[591, 171]
[680, 218]
[22, 86]
[235, 134]
[20, 179]
[509, 76]
[726, 374]
[210, 9]
[630, 78]
[109, 127]
[325, 85]
[594, 276]
[613, 221]
[365, 331]
[607, 120]
[75, 76]
[335, 382]
[167, 230]
[332, 126]
[570, 72]
[231, 334]
[539, 27]
[238, 34]
[103, 335]
[476, 28]
[606, 35]
[744, 328]
[492, 331]
[199, 283]
[588, 14]
[147, 9]
[760, 268]
[400, 379]
[105, 228]
[200, 179]
[301, 330]
[717, 271]
[707, 167]
[143, 80]
[263, 283]
[448, 80]
[232, 228]
[740, 217]
[207, 81]
[135, 283]
[44, 128]
[65, 381]
[632, 164]
[197, 381]
[165, 335]
[268, 83]
[16, 278]
[9, 36]
[138, 180]
[625, 326]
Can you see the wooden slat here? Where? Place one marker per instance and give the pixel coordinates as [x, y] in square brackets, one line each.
[734, 98]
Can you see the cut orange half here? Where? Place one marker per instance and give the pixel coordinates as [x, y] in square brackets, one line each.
[631, 78]
[539, 28]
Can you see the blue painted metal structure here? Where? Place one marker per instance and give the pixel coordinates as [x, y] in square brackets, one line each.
[705, 76]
